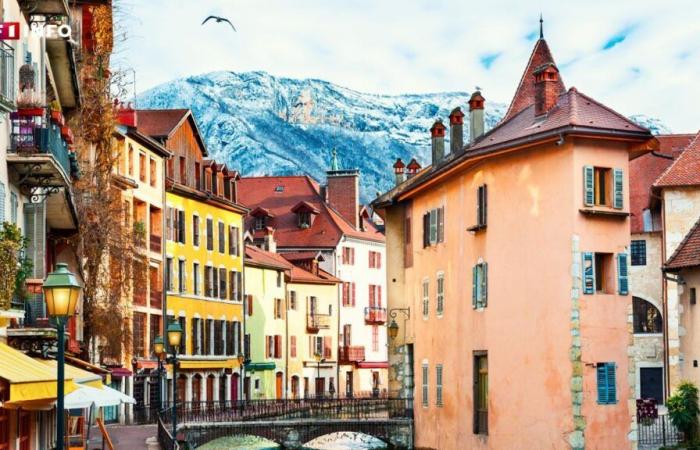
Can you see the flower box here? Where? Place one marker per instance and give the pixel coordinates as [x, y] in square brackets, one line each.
[57, 117]
[67, 134]
[30, 112]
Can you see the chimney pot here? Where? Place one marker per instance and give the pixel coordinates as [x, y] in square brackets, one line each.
[412, 168]
[126, 115]
[546, 95]
[437, 134]
[476, 115]
[456, 130]
[399, 171]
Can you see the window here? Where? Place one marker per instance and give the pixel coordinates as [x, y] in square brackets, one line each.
[210, 234]
[181, 275]
[208, 281]
[598, 273]
[293, 300]
[222, 238]
[222, 283]
[139, 333]
[375, 296]
[304, 219]
[183, 170]
[168, 221]
[605, 376]
[130, 162]
[375, 338]
[603, 187]
[14, 204]
[142, 167]
[691, 296]
[639, 252]
[181, 227]
[196, 335]
[438, 385]
[152, 167]
[195, 278]
[277, 309]
[292, 346]
[169, 273]
[433, 227]
[233, 246]
[481, 204]
[481, 393]
[647, 318]
[235, 281]
[259, 222]
[279, 278]
[480, 282]
[424, 392]
[375, 260]
[195, 231]
[440, 300]
[426, 298]
[349, 256]
[348, 293]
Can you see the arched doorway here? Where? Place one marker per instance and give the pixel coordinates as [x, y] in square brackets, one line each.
[235, 383]
[279, 388]
[295, 387]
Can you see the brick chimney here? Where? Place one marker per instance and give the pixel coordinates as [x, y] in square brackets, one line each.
[270, 244]
[399, 171]
[437, 134]
[476, 115]
[126, 115]
[546, 88]
[343, 194]
[456, 130]
[412, 168]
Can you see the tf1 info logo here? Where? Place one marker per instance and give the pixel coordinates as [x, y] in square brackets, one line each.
[10, 31]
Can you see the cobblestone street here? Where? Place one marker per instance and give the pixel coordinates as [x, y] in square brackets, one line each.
[128, 437]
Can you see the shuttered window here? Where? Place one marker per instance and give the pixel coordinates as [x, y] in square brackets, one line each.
[607, 390]
[481, 206]
[434, 226]
[14, 205]
[195, 279]
[440, 297]
[622, 274]
[181, 226]
[215, 283]
[222, 283]
[588, 186]
[424, 393]
[426, 298]
[480, 281]
[222, 238]
[603, 187]
[235, 286]
[588, 273]
[196, 336]
[618, 184]
[292, 346]
[210, 234]
[438, 385]
[195, 231]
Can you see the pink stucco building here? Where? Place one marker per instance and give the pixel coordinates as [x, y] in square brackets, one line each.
[508, 257]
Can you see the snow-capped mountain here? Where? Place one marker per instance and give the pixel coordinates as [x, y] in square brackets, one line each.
[266, 125]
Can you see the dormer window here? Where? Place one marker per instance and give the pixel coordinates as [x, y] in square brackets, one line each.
[306, 213]
[260, 222]
[279, 188]
[260, 216]
[304, 219]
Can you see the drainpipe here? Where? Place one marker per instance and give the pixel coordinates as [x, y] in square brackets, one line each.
[664, 303]
[163, 290]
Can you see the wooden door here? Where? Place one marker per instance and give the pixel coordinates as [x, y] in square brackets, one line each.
[210, 389]
[295, 387]
[278, 385]
[24, 437]
[4, 429]
[235, 379]
[246, 388]
[196, 388]
[320, 386]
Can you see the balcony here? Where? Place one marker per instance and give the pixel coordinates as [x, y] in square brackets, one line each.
[156, 243]
[7, 77]
[44, 7]
[375, 315]
[351, 354]
[315, 322]
[156, 298]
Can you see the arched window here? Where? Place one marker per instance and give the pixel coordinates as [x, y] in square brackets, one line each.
[647, 318]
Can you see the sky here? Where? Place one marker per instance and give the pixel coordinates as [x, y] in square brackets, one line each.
[635, 56]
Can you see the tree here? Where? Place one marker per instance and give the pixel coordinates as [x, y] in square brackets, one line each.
[683, 409]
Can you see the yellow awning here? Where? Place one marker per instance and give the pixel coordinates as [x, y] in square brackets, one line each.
[78, 375]
[30, 380]
[206, 364]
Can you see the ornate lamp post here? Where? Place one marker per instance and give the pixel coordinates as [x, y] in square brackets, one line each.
[159, 351]
[393, 326]
[61, 292]
[319, 360]
[174, 332]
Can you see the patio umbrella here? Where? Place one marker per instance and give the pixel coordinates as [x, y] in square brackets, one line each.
[86, 396]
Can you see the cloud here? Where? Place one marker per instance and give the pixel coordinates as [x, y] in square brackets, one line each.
[488, 59]
[393, 46]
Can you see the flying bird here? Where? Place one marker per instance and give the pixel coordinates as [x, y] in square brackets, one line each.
[219, 20]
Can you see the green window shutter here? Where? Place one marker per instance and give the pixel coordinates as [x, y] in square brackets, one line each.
[441, 224]
[618, 184]
[622, 275]
[433, 226]
[607, 389]
[474, 284]
[588, 186]
[484, 283]
[588, 273]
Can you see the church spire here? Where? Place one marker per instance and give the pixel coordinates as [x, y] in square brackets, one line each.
[541, 27]
[334, 161]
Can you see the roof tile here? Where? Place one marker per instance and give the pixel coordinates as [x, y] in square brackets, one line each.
[685, 171]
[688, 252]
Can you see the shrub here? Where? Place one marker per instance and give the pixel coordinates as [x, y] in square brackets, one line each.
[683, 409]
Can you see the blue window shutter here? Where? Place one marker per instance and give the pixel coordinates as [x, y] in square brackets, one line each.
[622, 280]
[588, 273]
[612, 388]
[484, 283]
[607, 389]
[618, 184]
[474, 284]
[588, 186]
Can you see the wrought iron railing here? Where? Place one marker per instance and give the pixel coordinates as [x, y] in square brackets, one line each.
[7, 74]
[316, 321]
[654, 432]
[39, 135]
[375, 315]
[165, 437]
[351, 354]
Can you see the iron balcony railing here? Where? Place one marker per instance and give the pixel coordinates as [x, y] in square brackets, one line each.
[316, 321]
[351, 354]
[7, 75]
[375, 315]
[38, 135]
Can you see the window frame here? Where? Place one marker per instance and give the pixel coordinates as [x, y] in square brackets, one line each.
[638, 252]
[440, 294]
[425, 297]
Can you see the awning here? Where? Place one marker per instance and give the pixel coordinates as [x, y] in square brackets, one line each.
[205, 364]
[267, 365]
[30, 380]
[80, 376]
[373, 365]
[86, 396]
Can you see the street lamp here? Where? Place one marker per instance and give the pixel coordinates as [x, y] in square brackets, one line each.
[61, 292]
[159, 351]
[241, 365]
[174, 333]
[319, 359]
[393, 327]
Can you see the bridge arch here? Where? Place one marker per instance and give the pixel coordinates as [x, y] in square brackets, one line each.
[341, 437]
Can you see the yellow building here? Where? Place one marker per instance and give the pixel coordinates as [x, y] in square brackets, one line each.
[203, 259]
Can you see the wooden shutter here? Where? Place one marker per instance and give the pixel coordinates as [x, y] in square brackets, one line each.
[618, 186]
[607, 389]
[426, 230]
[267, 346]
[293, 346]
[441, 224]
[433, 226]
[327, 347]
[176, 224]
[588, 186]
[588, 273]
[278, 346]
[250, 305]
[215, 284]
[474, 285]
[378, 303]
[181, 225]
[371, 295]
[193, 325]
[484, 283]
[622, 274]
[353, 293]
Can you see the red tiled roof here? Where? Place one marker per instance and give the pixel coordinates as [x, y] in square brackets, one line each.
[645, 169]
[300, 275]
[525, 93]
[257, 256]
[301, 256]
[685, 171]
[160, 122]
[688, 252]
[573, 109]
[280, 194]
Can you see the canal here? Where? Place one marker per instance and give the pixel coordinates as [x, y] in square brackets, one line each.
[335, 441]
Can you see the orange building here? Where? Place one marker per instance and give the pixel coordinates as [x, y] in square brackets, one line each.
[508, 258]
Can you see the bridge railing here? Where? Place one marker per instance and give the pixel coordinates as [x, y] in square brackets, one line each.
[165, 438]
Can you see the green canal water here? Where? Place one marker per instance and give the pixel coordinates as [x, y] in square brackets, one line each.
[337, 441]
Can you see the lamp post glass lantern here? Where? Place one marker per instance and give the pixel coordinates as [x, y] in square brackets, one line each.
[159, 351]
[61, 293]
[174, 340]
